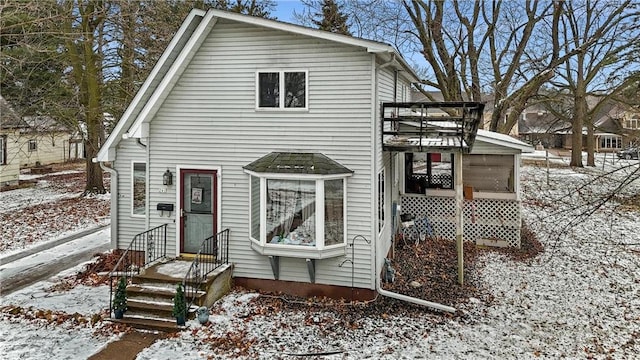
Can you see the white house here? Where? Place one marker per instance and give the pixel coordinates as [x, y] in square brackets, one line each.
[275, 132]
[11, 125]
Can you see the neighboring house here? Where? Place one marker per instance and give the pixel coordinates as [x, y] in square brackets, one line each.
[487, 99]
[11, 126]
[538, 126]
[277, 133]
[45, 141]
[618, 128]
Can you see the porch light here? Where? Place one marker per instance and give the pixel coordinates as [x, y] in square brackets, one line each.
[167, 178]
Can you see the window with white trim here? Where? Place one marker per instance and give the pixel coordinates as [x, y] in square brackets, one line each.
[281, 90]
[138, 188]
[380, 200]
[33, 145]
[298, 210]
[3, 150]
[633, 123]
[610, 142]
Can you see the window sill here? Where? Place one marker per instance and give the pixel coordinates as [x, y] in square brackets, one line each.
[284, 110]
[297, 251]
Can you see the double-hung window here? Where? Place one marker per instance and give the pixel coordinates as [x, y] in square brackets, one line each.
[281, 90]
[138, 188]
[33, 145]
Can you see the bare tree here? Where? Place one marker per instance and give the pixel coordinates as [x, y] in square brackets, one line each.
[95, 53]
[603, 69]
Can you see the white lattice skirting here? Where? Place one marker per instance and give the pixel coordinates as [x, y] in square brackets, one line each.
[483, 218]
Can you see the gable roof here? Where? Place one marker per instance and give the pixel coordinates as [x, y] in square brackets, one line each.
[45, 124]
[187, 40]
[9, 119]
[502, 140]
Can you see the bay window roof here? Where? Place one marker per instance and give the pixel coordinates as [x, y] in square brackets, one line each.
[297, 163]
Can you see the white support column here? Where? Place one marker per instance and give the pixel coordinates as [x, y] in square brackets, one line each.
[457, 160]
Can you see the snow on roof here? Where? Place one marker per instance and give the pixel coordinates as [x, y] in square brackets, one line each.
[9, 119]
[503, 140]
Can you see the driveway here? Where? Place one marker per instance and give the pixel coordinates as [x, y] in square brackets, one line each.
[23, 269]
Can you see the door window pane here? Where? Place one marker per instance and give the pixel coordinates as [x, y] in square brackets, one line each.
[200, 194]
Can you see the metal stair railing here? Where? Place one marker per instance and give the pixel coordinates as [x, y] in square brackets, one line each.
[145, 248]
[213, 253]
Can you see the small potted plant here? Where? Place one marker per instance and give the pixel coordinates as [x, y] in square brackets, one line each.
[179, 306]
[120, 298]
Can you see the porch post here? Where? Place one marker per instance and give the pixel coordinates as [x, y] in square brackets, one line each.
[457, 160]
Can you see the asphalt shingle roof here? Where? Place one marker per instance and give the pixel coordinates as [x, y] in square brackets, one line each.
[297, 163]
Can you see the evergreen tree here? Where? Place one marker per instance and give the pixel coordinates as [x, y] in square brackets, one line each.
[332, 19]
[120, 297]
[77, 60]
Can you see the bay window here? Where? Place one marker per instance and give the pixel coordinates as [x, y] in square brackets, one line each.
[297, 207]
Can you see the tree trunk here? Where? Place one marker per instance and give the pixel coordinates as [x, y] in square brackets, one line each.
[591, 160]
[579, 115]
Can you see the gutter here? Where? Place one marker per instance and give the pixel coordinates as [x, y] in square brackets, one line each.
[114, 202]
[378, 281]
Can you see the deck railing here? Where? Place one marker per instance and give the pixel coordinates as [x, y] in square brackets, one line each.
[430, 126]
[213, 253]
[145, 248]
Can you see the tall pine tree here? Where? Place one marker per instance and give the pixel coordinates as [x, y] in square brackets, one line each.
[332, 19]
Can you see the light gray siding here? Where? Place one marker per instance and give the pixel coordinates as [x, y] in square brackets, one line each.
[209, 120]
[387, 83]
[128, 226]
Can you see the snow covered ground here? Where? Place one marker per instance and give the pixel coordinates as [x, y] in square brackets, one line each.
[578, 299]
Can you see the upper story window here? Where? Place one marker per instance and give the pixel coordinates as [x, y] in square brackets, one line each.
[281, 90]
[33, 145]
[138, 188]
[298, 205]
[633, 123]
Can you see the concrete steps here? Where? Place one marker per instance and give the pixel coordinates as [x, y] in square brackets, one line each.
[142, 323]
[150, 296]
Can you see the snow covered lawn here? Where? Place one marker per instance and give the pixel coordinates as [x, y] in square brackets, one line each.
[49, 210]
[580, 298]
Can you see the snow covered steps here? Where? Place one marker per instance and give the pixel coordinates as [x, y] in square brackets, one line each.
[150, 297]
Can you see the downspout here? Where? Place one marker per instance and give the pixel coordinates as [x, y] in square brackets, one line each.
[378, 281]
[114, 203]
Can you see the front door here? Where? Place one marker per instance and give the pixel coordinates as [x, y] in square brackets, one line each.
[198, 205]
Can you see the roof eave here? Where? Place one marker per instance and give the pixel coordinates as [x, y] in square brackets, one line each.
[105, 153]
